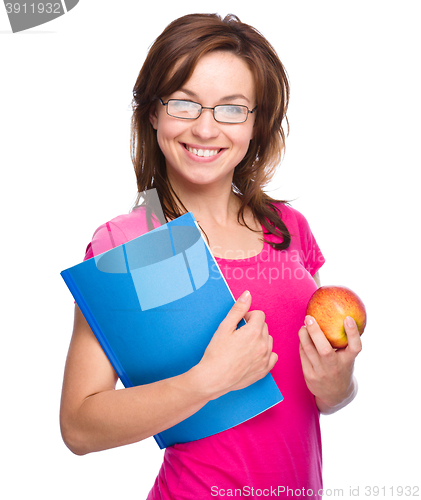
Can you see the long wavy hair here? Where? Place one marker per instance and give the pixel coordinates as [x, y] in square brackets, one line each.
[185, 41]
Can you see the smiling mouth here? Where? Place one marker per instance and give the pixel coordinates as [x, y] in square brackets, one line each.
[204, 153]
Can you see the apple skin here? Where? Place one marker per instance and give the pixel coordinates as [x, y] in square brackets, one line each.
[330, 305]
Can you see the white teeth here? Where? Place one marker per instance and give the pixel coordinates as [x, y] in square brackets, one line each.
[202, 152]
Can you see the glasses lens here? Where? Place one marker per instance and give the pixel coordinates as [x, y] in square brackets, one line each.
[231, 114]
[184, 109]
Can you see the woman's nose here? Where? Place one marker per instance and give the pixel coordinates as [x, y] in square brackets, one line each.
[206, 126]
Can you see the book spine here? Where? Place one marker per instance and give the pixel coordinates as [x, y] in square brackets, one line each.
[160, 441]
[80, 301]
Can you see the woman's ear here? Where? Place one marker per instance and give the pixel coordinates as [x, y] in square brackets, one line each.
[153, 116]
[253, 132]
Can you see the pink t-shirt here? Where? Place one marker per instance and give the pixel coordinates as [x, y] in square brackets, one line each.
[279, 451]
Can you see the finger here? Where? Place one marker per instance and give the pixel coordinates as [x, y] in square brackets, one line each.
[308, 348]
[270, 342]
[255, 317]
[305, 339]
[305, 361]
[273, 357]
[354, 338]
[319, 339]
[273, 360]
[237, 312]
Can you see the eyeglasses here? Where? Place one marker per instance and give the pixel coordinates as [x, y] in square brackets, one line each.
[223, 113]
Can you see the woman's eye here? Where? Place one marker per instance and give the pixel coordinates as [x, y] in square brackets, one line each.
[184, 105]
[233, 110]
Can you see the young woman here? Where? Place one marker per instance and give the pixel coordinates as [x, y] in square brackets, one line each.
[208, 109]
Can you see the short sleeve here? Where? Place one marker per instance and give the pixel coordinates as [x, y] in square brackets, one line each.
[105, 238]
[302, 239]
[312, 256]
[118, 231]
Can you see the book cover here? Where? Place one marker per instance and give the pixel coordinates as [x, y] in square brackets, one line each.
[154, 304]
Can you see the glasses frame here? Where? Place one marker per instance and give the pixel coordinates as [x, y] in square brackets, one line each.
[249, 111]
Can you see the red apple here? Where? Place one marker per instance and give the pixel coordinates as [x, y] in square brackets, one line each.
[330, 305]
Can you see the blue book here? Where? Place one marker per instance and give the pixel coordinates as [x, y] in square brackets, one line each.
[154, 304]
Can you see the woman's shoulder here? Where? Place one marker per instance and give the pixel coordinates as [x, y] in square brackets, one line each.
[290, 215]
[302, 238]
[119, 230]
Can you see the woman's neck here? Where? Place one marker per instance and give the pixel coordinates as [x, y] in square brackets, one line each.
[216, 204]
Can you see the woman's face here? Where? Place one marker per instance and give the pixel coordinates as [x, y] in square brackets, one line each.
[204, 151]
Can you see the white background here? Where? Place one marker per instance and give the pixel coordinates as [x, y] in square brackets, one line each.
[351, 166]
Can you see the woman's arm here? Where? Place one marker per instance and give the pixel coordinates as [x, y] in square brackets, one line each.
[94, 416]
[316, 278]
[328, 410]
[329, 372]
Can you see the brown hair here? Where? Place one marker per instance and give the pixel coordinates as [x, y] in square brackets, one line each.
[187, 39]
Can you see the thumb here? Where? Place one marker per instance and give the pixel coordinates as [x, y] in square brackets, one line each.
[237, 312]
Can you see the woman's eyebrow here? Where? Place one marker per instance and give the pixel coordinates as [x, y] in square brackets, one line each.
[233, 97]
[189, 93]
[227, 98]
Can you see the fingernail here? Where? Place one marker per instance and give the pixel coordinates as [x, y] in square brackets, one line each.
[350, 321]
[244, 296]
[309, 320]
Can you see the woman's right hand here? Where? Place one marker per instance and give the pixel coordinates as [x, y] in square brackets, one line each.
[236, 358]
[94, 416]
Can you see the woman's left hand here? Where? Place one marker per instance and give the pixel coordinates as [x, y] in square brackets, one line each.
[329, 372]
